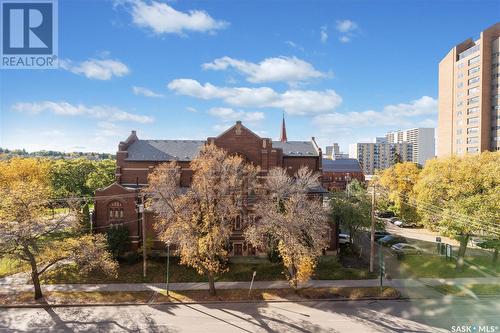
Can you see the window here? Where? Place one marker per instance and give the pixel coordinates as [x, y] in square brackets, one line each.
[460, 103]
[473, 110]
[459, 141]
[459, 131]
[473, 100]
[460, 75]
[473, 80]
[473, 130]
[473, 91]
[238, 249]
[460, 65]
[460, 94]
[474, 60]
[468, 52]
[460, 84]
[472, 140]
[472, 149]
[115, 210]
[237, 223]
[473, 70]
[459, 113]
[473, 121]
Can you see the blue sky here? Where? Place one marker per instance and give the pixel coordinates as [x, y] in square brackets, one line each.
[342, 71]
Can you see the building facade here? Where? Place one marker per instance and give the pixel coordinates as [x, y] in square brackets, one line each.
[469, 116]
[375, 156]
[422, 140]
[136, 159]
[339, 172]
[333, 153]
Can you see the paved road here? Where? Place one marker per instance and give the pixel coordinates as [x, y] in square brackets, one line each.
[348, 316]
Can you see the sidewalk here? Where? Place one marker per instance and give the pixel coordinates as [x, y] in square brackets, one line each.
[400, 284]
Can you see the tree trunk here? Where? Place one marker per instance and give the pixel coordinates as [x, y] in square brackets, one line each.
[35, 277]
[461, 252]
[293, 277]
[495, 258]
[211, 284]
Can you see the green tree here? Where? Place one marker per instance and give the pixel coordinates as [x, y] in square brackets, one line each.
[117, 240]
[102, 176]
[351, 209]
[459, 196]
[69, 177]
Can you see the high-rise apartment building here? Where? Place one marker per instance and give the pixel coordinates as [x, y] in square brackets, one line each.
[468, 119]
[380, 155]
[422, 140]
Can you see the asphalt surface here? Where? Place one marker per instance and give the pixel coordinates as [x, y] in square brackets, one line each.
[324, 316]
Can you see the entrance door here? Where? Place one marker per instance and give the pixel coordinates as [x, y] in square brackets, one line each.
[238, 249]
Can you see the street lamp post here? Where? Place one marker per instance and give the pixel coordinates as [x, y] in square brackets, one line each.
[168, 263]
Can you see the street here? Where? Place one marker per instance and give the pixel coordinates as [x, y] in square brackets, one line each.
[424, 315]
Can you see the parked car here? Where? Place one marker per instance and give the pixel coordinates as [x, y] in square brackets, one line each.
[385, 213]
[403, 249]
[476, 241]
[344, 239]
[391, 240]
[393, 219]
[381, 234]
[404, 224]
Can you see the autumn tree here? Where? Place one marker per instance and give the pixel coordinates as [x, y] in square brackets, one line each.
[199, 220]
[102, 176]
[351, 208]
[30, 234]
[297, 222]
[459, 196]
[398, 182]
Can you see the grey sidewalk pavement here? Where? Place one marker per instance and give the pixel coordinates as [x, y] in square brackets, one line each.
[422, 283]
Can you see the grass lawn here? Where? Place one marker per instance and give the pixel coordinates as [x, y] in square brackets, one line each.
[485, 263]
[328, 269]
[433, 266]
[152, 297]
[477, 289]
[10, 266]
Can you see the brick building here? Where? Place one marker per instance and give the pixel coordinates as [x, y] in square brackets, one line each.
[136, 158]
[337, 173]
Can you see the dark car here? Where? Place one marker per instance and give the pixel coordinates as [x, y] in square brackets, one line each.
[385, 214]
[391, 240]
[381, 234]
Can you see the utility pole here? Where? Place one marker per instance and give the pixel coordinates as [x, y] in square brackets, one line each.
[372, 232]
[143, 220]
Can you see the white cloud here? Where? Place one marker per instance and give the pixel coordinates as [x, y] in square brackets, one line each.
[288, 69]
[300, 102]
[191, 109]
[228, 114]
[397, 115]
[163, 19]
[145, 92]
[323, 35]
[66, 109]
[346, 26]
[344, 39]
[294, 45]
[97, 69]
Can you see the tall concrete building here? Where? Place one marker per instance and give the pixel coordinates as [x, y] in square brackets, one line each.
[380, 155]
[422, 140]
[468, 120]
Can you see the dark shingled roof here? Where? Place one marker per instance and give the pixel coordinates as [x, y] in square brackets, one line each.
[164, 150]
[296, 148]
[345, 165]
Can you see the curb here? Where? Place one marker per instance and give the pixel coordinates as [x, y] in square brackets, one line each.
[37, 306]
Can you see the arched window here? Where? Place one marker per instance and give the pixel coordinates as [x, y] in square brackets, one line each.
[115, 210]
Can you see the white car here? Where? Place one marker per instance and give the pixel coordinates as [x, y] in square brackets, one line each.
[398, 223]
[344, 238]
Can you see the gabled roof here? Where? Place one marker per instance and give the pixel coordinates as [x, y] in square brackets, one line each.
[344, 165]
[296, 148]
[164, 150]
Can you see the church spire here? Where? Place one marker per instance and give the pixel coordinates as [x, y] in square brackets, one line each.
[283, 130]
